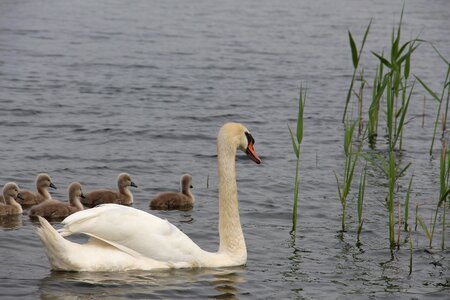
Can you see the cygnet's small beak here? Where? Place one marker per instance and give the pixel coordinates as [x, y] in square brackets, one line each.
[83, 196]
[133, 184]
[20, 196]
[52, 185]
[250, 151]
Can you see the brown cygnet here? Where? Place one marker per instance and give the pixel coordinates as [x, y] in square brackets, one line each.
[184, 200]
[123, 196]
[10, 194]
[53, 209]
[43, 182]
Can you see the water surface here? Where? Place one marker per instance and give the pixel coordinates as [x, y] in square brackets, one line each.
[90, 89]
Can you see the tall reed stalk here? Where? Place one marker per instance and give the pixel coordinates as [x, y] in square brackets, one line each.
[379, 86]
[444, 191]
[408, 194]
[398, 94]
[356, 56]
[440, 100]
[351, 158]
[393, 171]
[361, 192]
[296, 144]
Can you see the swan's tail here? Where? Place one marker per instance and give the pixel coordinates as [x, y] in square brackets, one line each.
[54, 244]
[96, 255]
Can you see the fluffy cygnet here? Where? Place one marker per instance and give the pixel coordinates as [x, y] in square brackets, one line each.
[123, 196]
[183, 200]
[43, 182]
[57, 209]
[10, 194]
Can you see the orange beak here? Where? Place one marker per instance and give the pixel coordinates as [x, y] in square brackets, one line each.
[250, 151]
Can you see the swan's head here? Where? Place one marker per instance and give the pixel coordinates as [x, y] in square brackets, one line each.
[75, 190]
[186, 181]
[239, 136]
[11, 190]
[124, 180]
[43, 180]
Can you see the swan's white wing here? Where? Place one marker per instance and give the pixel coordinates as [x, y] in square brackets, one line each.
[135, 229]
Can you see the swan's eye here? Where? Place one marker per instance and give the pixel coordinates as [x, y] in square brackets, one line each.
[250, 139]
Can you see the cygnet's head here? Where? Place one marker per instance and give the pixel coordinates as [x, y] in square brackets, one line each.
[239, 136]
[43, 180]
[124, 180]
[75, 190]
[186, 181]
[11, 190]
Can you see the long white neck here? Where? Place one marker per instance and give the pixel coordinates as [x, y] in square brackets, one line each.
[230, 230]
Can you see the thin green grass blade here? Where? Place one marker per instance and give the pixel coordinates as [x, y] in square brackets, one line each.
[294, 144]
[354, 51]
[301, 105]
[424, 227]
[430, 91]
[339, 187]
[440, 55]
[383, 60]
[408, 194]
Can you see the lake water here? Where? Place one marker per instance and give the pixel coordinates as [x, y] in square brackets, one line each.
[90, 89]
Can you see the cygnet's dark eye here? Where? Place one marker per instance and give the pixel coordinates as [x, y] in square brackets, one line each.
[250, 139]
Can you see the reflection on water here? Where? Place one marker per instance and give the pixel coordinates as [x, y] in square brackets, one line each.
[11, 222]
[224, 283]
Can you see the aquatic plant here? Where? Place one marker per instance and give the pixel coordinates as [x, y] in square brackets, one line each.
[410, 251]
[393, 171]
[296, 144]
[379, 86]
[408, 193]
[395, 83]
[351, 158]
[356, 56]
[444, 191]
[440, 100]
[361, 192]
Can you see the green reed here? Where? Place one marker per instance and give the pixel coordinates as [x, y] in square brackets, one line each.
[444, 191]
[393, 171]
[410, 251]
[408, 193]
[351, 158]
[361, 192]
[379, 86]
[440, 100]
[396, 84]
[398, 93]
[296, 144]
[356, 56]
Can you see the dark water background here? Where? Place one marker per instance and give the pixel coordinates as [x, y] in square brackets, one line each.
[89, 89]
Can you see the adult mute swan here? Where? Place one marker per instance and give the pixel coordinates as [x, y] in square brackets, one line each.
[123, 238]
[122, 196]
[184, 200]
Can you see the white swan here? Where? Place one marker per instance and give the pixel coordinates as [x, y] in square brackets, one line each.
[124, 238]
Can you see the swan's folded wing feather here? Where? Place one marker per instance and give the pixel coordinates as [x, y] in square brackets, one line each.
[135, 229]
